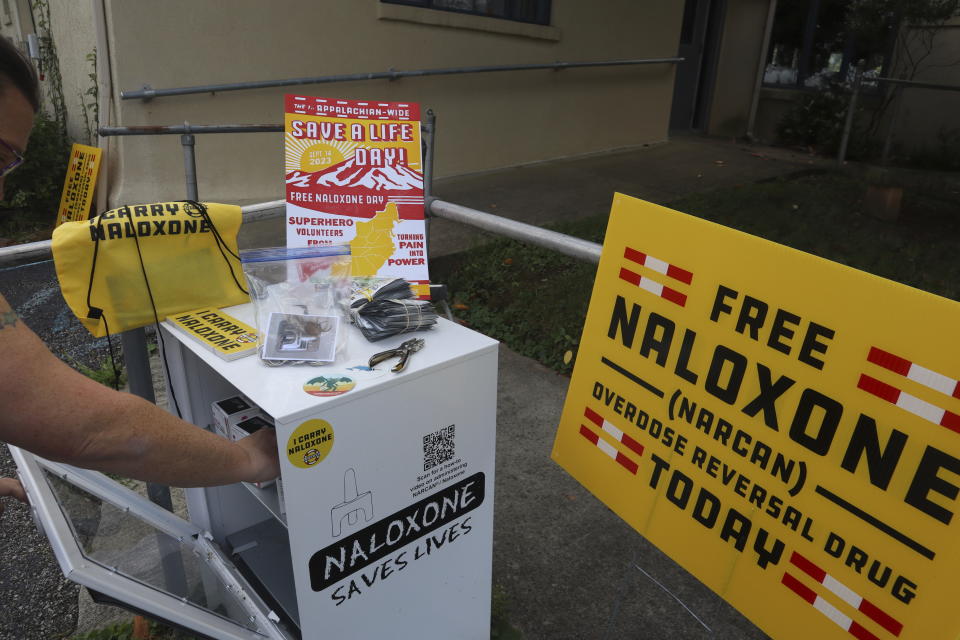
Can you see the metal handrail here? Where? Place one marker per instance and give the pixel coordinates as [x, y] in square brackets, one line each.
[531, 234]
[921, 85]
[187, 128]
[567, 245]
[148, 92]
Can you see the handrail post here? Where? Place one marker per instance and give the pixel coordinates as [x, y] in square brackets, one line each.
[851, 110]
[429, 128]
[895, 112]
[189, 142]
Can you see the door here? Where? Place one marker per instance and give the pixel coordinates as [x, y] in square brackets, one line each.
[692, 75]
[134, 554]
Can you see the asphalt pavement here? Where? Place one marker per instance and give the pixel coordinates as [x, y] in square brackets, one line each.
[569, 567]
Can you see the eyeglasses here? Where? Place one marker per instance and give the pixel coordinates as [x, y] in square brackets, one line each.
[13, 164]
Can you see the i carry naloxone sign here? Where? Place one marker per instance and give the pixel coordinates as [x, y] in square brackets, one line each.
[784, 427]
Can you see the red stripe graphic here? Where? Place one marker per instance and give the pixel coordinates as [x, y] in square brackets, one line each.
[589, 435]
[654, 287]
[859, 632]
[847, 594]
[630, 276]
[880, 389]
[808, 567]
[950, 421]
[623, 438]
[919, 374]
[828, 610]
[593, 416]
[608, 449]
[674, 296]
[671, 270]
[799, 588]
[680, 274]
[629, 464]
[889, 361]
[927, 411]
[885, 620]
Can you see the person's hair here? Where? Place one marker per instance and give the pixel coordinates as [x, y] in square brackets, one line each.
[17, 71]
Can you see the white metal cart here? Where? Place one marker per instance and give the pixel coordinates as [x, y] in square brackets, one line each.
[387, 529]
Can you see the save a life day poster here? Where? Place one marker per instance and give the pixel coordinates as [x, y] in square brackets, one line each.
[784, 427]
[354, 176]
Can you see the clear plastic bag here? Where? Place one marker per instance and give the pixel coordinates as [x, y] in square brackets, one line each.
[300, 296]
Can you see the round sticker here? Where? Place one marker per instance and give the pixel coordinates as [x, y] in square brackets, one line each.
[310, 443]
[325, 386]
[364, 372]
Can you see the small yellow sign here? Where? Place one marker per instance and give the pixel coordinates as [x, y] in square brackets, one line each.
[79, 184]
[784, 427]
[310, 443]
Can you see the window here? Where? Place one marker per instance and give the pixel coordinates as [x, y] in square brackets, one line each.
[532, 11]
[811, 46]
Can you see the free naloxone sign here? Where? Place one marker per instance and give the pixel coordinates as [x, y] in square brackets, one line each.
[784, 427]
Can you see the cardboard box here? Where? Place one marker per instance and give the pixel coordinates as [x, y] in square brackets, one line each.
[230, 411]
[245, 428]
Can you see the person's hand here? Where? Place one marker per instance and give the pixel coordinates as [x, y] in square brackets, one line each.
[11, 487]
[261, 449]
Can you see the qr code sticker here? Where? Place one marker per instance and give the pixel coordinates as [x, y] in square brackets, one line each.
[438, 447]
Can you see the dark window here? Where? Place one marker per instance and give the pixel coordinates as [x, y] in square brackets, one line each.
[689, 22]
[812, 45]
[533, 11]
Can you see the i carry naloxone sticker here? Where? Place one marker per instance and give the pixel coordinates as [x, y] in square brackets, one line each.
[784, 427]
[310, 443]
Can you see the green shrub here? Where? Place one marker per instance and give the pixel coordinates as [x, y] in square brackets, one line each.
[942, 156]
[817, 119]
[34, 188]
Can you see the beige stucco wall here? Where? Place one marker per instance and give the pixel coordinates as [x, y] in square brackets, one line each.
[740, 49]
[925, 114]
[484, 120]
[72, 31]
[15, 21]
[72, 28]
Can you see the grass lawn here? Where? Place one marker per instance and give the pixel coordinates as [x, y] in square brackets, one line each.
[535, 300]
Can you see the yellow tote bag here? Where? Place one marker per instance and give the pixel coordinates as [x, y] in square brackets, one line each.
[116, 269]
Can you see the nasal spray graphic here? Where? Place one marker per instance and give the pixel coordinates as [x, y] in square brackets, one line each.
[352, 504]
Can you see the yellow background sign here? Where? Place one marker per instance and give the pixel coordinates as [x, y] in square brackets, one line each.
[784, 427]
[79, 184]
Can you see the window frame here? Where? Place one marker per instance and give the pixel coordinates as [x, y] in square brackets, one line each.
[805, 55]
[542, 9]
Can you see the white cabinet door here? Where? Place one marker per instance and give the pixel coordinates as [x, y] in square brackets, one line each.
[116, 543]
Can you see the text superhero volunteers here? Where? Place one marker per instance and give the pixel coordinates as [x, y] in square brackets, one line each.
[87, 424]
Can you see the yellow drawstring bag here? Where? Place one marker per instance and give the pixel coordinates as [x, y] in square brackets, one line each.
[131, 266]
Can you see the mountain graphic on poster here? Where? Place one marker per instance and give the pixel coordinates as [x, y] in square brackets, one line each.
[373, 243]
[385, 178]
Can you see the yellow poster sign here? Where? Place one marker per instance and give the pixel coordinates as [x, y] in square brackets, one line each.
[784, 427]
[79, 183]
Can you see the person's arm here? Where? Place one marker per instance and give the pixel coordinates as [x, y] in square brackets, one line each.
[11, 487]
[55, 412]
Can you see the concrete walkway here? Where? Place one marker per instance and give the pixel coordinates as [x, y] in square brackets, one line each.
[579, 187]
[568, 566]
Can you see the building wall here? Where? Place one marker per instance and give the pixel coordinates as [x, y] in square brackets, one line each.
[740, 51]
[15, 22]
[72, 30]
[485, 120]
[927, 118]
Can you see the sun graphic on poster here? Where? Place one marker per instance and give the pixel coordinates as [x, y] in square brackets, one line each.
[309, 156]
